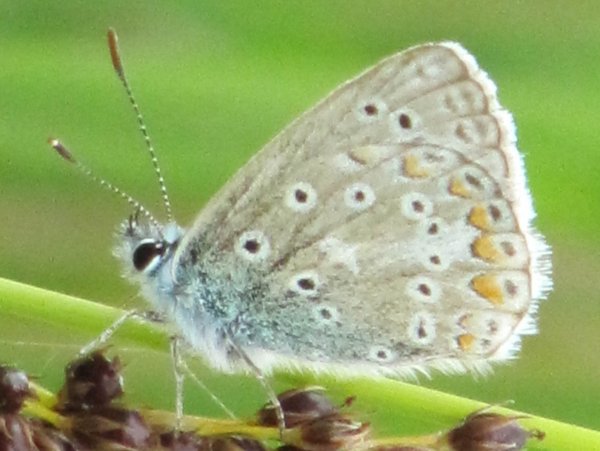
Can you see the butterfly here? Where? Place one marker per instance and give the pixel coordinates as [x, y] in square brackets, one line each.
[386, 231]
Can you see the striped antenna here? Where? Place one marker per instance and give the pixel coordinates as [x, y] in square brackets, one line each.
[119, 69]
[137, 206]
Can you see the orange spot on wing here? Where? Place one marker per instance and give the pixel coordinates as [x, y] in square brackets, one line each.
[412, 168]
[479, 217]
[466, 341]
[487, 286]
[458, 188]
[484, 248]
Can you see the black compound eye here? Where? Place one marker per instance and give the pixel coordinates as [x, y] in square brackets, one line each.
[146, 253]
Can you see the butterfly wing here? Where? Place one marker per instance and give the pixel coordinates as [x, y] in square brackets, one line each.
[388, 227]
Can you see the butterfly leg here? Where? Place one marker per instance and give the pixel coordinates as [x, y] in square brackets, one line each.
[180, 365]
[273, 399]
[108, 333]
[179, 379]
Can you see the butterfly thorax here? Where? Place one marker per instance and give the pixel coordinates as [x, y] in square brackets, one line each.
[189, 287]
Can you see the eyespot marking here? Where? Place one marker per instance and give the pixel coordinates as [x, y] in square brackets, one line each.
[370, 110]
[415, 206]
[326, 315]
[359, 196]
[382, 354]
[301, 197]
[253, 246]
[305, 283]
[423, 289]
[421, 329]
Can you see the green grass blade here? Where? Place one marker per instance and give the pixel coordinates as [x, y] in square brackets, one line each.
[394, 408]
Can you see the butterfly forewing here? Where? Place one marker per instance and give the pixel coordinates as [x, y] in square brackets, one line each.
[388, 227]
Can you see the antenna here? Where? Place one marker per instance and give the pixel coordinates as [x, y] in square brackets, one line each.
[68, 156]
[115, 56]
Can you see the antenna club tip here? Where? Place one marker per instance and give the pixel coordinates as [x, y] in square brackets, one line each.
[113, 38]
[61, 149]
[113, 47]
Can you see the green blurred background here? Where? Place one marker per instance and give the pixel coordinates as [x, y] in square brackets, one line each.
[216, 80]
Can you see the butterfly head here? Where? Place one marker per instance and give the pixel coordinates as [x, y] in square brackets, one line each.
[144, 247]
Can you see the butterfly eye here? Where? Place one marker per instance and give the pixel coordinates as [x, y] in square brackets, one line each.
[147, 255]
